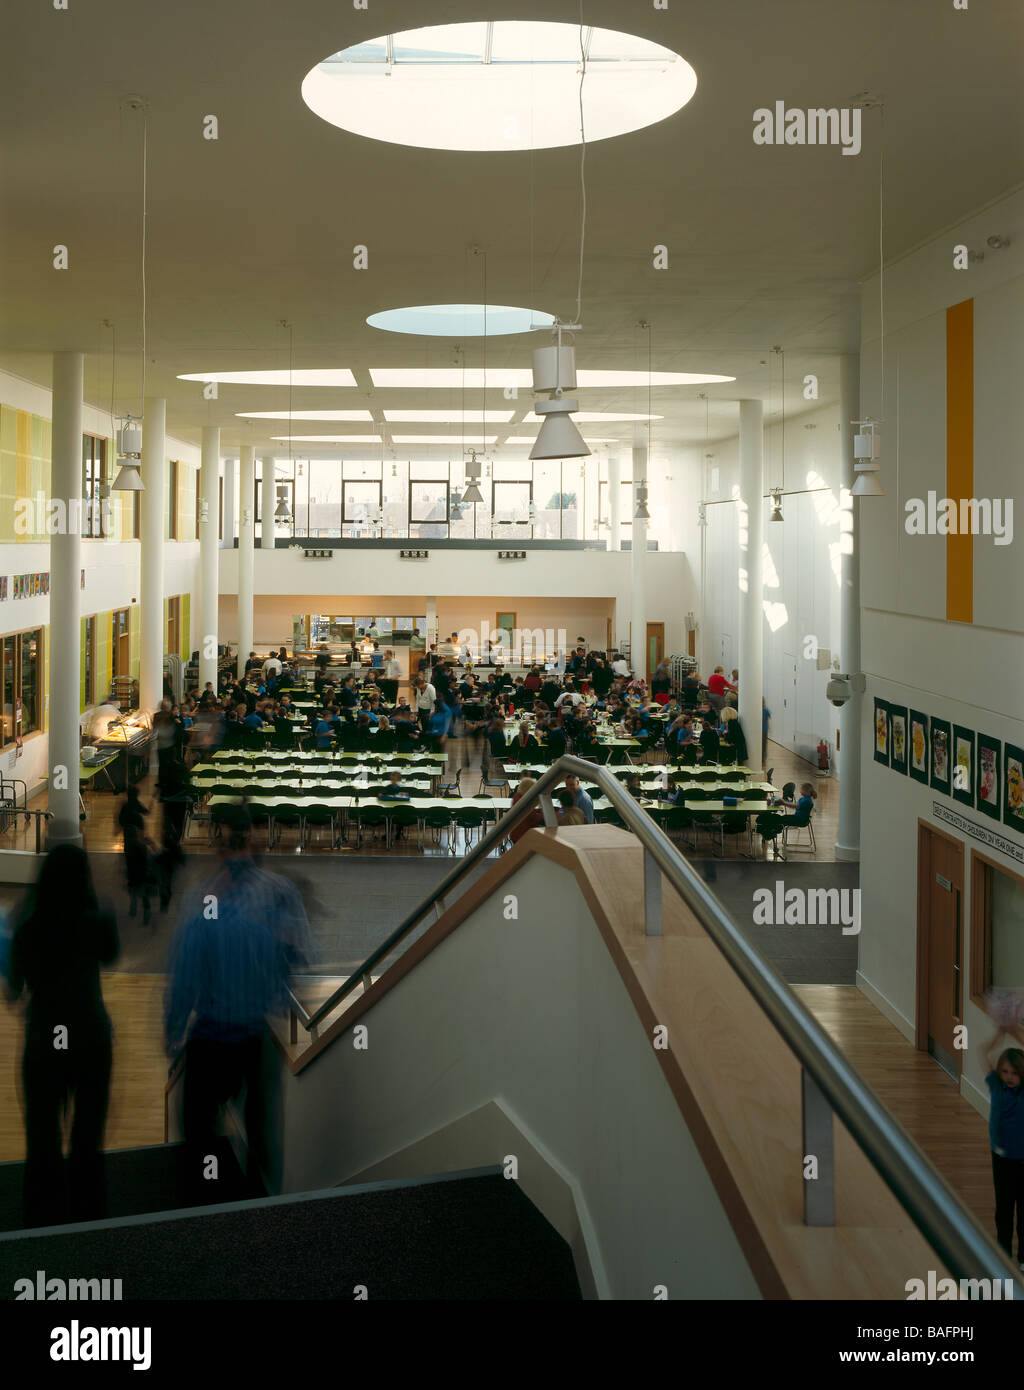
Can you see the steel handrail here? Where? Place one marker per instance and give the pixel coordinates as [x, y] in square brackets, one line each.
[944, 1221]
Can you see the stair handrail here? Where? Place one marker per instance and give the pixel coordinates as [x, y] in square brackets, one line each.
[944, 1221]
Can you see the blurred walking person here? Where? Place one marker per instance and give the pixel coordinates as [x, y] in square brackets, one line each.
[61, 939]
[138, 871]
[231, 961]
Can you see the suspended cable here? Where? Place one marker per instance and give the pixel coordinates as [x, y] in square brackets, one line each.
[145, 183]
[583, 174]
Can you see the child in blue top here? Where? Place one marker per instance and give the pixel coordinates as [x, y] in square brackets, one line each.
[1006, 1135]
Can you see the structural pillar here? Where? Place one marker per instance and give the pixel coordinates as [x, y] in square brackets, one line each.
[638, 568]
[209, 489]
[751, 538]
[268, 503]
[65, 602]
[848, 828]
[246, 543]
[151, 585]
[228, 539]
[614, 503]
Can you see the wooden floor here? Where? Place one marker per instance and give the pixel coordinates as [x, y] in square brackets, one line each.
[100, 829]
[920, 1095]
[916, 1090]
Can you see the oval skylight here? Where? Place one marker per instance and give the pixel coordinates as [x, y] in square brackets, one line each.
[460, 320]
[506, 85]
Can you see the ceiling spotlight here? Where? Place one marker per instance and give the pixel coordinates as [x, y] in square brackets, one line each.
[554, 372]
[776, 513]
[129, 449]
[998, 242]
[282, 511]
[128, 479]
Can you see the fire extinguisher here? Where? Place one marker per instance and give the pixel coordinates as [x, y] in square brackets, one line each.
[823, 756]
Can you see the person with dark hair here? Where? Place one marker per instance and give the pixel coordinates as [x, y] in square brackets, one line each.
[1006, 1134]
[229, 971]
[132, 820]
[61, 939]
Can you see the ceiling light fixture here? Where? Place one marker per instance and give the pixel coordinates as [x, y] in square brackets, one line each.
[867, 449]
[350, 416]
[776, 512]
[460, 320]
[500, 378]
[129, 452]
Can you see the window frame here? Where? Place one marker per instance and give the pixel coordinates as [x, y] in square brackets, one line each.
[94, 475]
[981, 869]
[18, 684]
[426, 521]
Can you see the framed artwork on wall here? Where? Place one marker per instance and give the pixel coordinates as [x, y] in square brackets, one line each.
[939, 748]
[918, 740]
[963, 765]
[882, 732]
[1013, 785]
[987, 786]
[898, 738]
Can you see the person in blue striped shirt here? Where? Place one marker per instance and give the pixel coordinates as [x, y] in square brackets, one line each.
[231, 961]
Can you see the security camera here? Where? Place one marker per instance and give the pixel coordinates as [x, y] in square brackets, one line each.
[838, 690]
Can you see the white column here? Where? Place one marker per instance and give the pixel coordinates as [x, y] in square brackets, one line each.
[228, 541]
[65, 601]
[751, 523]
[431, 620]
[246, 542]
[151, 587]
[848, 829]
[268, 503]
[638, 567]
[209, 488]
[614, 503]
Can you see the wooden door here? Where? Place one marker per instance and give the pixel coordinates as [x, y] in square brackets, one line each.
[940, 946]
[655, 647]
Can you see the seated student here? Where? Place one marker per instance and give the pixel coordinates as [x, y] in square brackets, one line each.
[555, 742]
[532, 818]
[496, 740]
[524, 747]
[732, 734]
[394, 791]
[804, 806]
[384, 740]
[364, 737]
[324, 731]
[533, 680]
[406, 727]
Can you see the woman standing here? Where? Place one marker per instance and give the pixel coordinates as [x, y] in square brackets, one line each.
[61, 940]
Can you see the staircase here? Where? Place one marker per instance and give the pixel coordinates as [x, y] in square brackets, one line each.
[471, 1235]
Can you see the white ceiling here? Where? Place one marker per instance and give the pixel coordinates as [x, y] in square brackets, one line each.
[766, 245]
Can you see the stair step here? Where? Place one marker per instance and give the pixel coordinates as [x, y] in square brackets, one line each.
[463, 1237]
[139, 1181]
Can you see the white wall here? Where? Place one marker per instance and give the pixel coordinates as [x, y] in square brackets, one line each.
[575, 1068]
[801, 575]
[468, 584]
[111, 568]
[968, 673]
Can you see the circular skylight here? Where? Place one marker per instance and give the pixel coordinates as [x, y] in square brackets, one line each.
[506, 85]
[460, 320]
